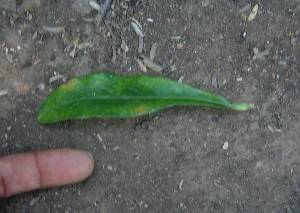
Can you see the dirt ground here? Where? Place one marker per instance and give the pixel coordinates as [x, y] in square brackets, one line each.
[172, 160]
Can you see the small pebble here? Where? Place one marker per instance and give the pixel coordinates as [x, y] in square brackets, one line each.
[179, 46]
[225, 145]
[150, 20]
[94, 5]
[3, 92]
[214, 81]
[293, 41]
[239, 79]
[116, 148]
[9, 57]
[41, 86]
[33, 201]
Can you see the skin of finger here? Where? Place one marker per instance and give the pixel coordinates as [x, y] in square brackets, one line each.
[28, 171]
[18, 173]
[64, 166]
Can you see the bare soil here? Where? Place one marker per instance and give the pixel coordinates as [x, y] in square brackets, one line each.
[172, 160]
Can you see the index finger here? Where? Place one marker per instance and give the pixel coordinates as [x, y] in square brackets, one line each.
[28, 171]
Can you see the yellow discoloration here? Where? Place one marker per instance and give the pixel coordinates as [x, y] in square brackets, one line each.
[70, 85]
[142, 109]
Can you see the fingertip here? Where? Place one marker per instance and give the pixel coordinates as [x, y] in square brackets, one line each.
[54, 167]
[64, 166]
[91, 156]
[88, 165]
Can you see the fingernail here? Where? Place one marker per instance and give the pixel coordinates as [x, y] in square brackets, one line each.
[90, 155]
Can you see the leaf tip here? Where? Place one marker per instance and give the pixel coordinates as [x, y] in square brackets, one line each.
[243, 107]
[251, 106]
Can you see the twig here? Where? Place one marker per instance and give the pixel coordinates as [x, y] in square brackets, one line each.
[110, 31]
[101, 14]
[104, 8]
[296, 73]
[153, 66]
[114, 53]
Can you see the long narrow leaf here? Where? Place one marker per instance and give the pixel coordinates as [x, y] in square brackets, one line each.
[110, 95]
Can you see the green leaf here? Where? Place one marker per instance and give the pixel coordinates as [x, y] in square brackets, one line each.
[110, 95]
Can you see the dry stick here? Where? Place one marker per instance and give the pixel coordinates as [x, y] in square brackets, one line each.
[114, 40]
[296, 73]
[110, 31]
[104, 8]
[102, 13]
[114, 57]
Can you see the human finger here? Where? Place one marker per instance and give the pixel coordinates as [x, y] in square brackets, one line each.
[33, 170]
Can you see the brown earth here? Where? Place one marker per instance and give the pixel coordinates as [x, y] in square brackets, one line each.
[172, 160]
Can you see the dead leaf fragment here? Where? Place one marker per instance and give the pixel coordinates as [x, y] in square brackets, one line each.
[124, 46]
[3, 92]
[180, 80]
[57, 29]
[253, 13]
[140, 63]
[34, 35]
[243, 17]
[152, 51]
[84, 45]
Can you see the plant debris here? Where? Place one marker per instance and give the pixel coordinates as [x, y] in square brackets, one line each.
[138, 31]
[253, 13]
[57, 29]
[153, 66]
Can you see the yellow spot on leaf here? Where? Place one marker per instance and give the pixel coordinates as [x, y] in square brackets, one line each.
[70, 85]
[141, 109]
